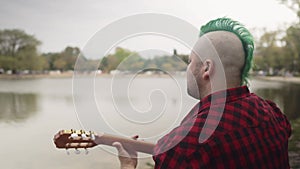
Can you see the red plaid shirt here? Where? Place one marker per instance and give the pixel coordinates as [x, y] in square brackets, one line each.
[249, 133]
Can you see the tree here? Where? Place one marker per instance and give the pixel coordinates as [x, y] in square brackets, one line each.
[126, 60]
[112, 61]
[292, 37]
[29, 59]
[8, 63]
[134, 62]
[292, 47]
[51, 58]
[13, 41]
[270, 52]
[18, 51]
[64, 60]
[294, 5]
[69, 55]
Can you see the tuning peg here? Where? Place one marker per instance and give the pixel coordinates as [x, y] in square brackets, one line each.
[83, 136]
[68, 153]
[86, 151]
[93, 136]
[77, 151]
[74, 135]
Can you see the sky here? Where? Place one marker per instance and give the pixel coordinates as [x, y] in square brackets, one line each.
[61, 23]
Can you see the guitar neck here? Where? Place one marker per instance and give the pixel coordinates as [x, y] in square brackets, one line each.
[129, 144]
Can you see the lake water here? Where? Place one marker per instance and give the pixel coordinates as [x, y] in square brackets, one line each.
[33, 110]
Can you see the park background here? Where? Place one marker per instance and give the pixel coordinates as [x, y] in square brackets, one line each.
[41, 40]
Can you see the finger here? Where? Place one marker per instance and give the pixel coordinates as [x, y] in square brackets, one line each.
[124, 152]
[121, 151]
[118, 146]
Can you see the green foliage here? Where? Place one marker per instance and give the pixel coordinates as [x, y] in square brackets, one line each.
[280, 50]
[184, 58]
[111, 62]
[292, 46]
[269, 53]
[18, 51]
[64, 60]
[8, 63]
[14, 41]
[128, 61]
[133, 62]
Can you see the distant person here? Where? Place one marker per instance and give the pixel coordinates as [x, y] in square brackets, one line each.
[243, 130]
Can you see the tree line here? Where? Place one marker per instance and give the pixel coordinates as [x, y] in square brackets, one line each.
[19, 52]
[128, 61]
[278, 52]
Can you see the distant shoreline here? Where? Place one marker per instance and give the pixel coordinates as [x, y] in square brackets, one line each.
[70, 75]
[35, 76]
[295, 80]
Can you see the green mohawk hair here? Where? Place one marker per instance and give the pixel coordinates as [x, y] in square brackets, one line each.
[227, 24]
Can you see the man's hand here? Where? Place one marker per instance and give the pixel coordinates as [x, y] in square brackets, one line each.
[128, 158]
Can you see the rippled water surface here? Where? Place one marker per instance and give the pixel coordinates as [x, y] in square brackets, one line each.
[33, 110]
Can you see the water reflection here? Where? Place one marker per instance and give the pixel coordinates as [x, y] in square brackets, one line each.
[17, 106]
[287, 99]
[51, 100]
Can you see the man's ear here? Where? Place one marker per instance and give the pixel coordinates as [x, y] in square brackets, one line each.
[208, 67]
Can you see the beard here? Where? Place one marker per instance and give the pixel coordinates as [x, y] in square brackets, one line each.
[192, 86]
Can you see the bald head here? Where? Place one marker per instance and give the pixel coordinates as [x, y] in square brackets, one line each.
[230, 50]
[221, 58]
[226, 47]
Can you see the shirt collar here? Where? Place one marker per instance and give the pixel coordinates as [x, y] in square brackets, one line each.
[224, 96]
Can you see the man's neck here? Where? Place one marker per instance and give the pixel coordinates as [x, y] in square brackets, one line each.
[210, 90]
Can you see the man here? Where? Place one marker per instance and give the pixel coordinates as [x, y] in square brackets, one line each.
[230, 127]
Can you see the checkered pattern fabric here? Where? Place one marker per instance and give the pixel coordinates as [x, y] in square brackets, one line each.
[247, 132]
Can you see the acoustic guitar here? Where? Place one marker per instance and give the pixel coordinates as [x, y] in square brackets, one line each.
[76, 139]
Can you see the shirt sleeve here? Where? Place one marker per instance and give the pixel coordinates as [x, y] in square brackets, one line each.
[281, 118]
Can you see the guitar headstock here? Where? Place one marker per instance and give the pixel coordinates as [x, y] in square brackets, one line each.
[75, 139]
